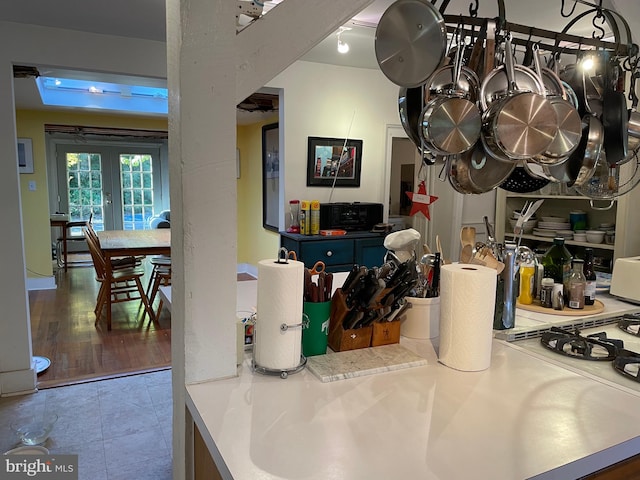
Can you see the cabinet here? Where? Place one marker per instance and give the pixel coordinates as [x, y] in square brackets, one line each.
[621, 212]
[339, 253]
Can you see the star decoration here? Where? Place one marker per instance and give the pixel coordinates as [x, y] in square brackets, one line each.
[421, 201]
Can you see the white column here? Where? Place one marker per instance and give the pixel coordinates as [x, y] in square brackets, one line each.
[16, 373]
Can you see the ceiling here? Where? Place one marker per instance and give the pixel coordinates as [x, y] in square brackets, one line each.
[146, 19]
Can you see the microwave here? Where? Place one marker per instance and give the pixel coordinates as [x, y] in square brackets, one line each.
[356, 216]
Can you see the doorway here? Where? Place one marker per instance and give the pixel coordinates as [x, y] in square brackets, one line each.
[117, 186]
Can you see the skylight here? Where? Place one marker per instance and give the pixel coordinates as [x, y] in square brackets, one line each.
[67, 92]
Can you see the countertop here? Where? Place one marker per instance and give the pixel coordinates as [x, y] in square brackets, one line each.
[521, 418]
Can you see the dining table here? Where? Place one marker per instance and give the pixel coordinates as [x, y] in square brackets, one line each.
[123, 243]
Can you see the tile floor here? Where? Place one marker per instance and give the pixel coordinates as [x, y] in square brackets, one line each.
[120, 428]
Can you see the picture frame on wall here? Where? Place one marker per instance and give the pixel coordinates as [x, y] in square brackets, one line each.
[25, 155]
[328, 157]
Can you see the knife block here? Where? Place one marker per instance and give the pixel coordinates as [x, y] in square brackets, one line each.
[340, 339]
[385, 333]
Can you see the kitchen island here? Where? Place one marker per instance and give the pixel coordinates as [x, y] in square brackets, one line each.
[522, 418]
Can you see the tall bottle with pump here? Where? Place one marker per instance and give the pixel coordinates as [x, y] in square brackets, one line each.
[557, 263]
[590, 277]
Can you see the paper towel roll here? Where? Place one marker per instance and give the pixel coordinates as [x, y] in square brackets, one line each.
[467, 299]
[280, 296]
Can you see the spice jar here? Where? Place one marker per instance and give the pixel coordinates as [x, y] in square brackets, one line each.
[546, 293]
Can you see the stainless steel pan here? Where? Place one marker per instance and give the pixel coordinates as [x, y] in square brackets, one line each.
[410, 42]
[569, 130]
[450, 122]
[520, 125]
[475, 172]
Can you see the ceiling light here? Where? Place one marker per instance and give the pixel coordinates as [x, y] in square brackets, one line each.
[588, 63]
[343, 47]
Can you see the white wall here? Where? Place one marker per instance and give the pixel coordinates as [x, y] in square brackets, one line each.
[320, 101]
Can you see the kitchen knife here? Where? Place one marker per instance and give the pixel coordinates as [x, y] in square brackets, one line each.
[350, 280]
[322, 295]
[308, 284]
[328, 285]
[354, 292]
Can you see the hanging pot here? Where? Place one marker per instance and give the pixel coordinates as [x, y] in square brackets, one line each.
[451, 123]
[580, 166]
[521, 124]
[569, 130]
[475, 172]
[410, 42]
[410, 104]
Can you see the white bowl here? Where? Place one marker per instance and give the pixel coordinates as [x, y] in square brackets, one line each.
[526, 228]
[595, 236]
[580, 237]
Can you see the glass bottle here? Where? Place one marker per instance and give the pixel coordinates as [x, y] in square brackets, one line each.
[590, 276]
[577, 284]
[294, 213]
[557, 263]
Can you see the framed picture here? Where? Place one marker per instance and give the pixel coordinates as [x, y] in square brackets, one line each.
[270, 176]
[330, 159]
[25, 155]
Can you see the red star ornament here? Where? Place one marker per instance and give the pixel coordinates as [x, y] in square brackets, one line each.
[421, 201]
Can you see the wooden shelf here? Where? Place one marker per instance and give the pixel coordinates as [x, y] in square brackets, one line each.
[601, 246]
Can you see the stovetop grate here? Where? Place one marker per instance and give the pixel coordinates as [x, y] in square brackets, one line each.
[537, 332]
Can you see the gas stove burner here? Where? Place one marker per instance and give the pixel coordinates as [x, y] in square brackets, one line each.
[630, 323]
[596, 347]
[628, 364]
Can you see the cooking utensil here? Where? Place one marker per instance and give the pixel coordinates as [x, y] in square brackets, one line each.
[410, 106]
[476, 172]
[633, 125]
[569, 130]
[410, 42]
[521, 124]
[615, 118]
[521, 181]
[450, 123]
[467, 242]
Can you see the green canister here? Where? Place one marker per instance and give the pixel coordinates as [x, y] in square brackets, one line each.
[316, 335]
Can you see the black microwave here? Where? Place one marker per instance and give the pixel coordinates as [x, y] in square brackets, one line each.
[357, 216]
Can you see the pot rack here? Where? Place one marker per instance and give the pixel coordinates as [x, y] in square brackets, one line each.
[556, 42]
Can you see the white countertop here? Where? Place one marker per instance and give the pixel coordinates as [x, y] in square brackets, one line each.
[521, 418]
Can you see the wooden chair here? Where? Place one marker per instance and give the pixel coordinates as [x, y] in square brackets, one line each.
[125, 281]
[160, 276]
[67, 237]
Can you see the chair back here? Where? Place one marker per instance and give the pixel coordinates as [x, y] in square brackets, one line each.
[99, 262]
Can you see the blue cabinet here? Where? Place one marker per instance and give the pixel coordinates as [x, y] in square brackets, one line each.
[339, 253]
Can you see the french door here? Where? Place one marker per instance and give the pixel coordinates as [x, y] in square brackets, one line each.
[116, 185]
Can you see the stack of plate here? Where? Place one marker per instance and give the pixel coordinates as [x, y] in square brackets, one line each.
[553, 227]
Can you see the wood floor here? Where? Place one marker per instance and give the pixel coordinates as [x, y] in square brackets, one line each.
[63, 329]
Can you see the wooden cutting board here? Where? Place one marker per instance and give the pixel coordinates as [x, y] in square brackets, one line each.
[597, 307]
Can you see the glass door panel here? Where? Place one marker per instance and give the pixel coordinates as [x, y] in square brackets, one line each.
[117, 186]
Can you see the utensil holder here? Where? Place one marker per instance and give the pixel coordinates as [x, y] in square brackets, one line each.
[422, 318]
[340, 339]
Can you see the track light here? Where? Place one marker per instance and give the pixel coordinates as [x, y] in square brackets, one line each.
[343, 47]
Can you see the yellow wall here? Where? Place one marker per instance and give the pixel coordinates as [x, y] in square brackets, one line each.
[35, 204]
[254, 242]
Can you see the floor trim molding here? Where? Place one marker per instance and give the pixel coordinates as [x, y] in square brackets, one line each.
[41, 283]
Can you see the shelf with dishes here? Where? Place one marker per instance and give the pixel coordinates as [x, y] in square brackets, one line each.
[601, 246]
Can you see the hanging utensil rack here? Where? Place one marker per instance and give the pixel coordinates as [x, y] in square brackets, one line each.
[549, 40]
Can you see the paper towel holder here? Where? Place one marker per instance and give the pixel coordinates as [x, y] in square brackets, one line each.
[284, 373]
[284, 255]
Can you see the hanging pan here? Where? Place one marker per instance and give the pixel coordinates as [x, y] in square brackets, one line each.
[521, 181]
[410, 104]
[521, 124]
[410, 42]
[475, 172]
[450, 122]
[615, 118]
[569, 130]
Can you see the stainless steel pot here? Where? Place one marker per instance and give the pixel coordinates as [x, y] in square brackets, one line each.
[521, 124]
[451, 123]
[475, 172]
